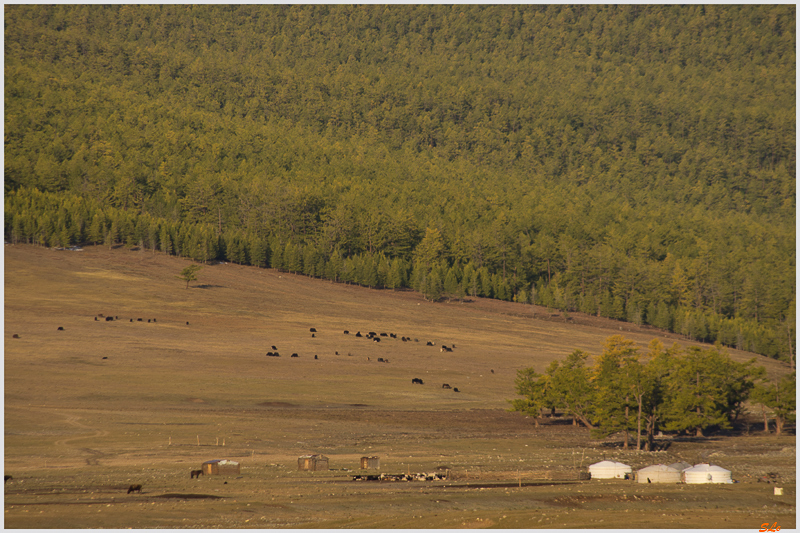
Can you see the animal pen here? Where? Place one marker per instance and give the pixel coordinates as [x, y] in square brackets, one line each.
[312, 462]
[221, 467]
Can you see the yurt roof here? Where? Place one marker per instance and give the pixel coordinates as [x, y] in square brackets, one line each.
[659, 468]
[609, 464]
[705, 467]
[680, 466]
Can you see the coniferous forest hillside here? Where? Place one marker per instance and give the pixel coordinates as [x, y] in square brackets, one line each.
[634, 162]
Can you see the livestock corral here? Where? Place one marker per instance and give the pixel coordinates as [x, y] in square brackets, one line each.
[120, 422]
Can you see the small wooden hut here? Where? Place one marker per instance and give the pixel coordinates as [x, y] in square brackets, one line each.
[312, 462]
[370, 462]
[221, 467]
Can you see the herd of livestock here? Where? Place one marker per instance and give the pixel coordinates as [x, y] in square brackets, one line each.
[373, 336]
[376, 337]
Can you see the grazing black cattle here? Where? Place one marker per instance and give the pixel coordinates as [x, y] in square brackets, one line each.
[60, 328]
[135, 488]
[455, 389]
[95, 319]
[493, 371]
[392, 335]
[380, 359]
[416, 381]
[403, 339]
[274, 347]
[445, 349]
[148, 320]
[154, 320]
[295, 355]
[312, 330]
[15, 336]
[269, 354]
[315, 357]
[384, 334]
[196, 474]
[6, 478]
[131, 320]
[376, 339]
[109, 318]
[138, 320]
[187, 323]
[358, 334]
[105, 357]
[446, 386]
[313, 335]
[346, 332]
[337, 353]
[372, 334]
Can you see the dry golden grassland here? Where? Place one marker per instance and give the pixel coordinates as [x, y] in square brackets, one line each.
[98, 406]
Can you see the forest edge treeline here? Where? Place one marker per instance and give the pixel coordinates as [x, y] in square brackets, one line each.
[62, 220]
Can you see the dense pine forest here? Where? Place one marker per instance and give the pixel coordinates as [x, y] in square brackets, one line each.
[633, 162]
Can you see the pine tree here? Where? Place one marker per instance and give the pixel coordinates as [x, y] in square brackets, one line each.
[276, 259]
[451, 284]
[97, 229]
[395, 278]
[613, 376]
[165, 240]
[533, 388]
[257, 251]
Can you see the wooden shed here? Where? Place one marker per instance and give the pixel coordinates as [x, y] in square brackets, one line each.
[312, 462]
[221, 467]
[370, 462]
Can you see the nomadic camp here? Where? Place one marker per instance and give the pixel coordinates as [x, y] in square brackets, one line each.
[706, 473]
[609, 470]
[658, 474]
[312, 462]
[370, 462]
[221, 467]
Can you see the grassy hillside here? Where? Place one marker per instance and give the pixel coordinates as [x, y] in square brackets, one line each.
[80, 428]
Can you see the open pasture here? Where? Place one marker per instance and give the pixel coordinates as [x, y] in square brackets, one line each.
[101, 405]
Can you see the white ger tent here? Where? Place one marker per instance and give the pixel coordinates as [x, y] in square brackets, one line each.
[609, 470]
[658, 474]
[706, 473]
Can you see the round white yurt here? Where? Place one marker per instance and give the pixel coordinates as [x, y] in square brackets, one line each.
[658, 474]
[609, 470]
[706, 473]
